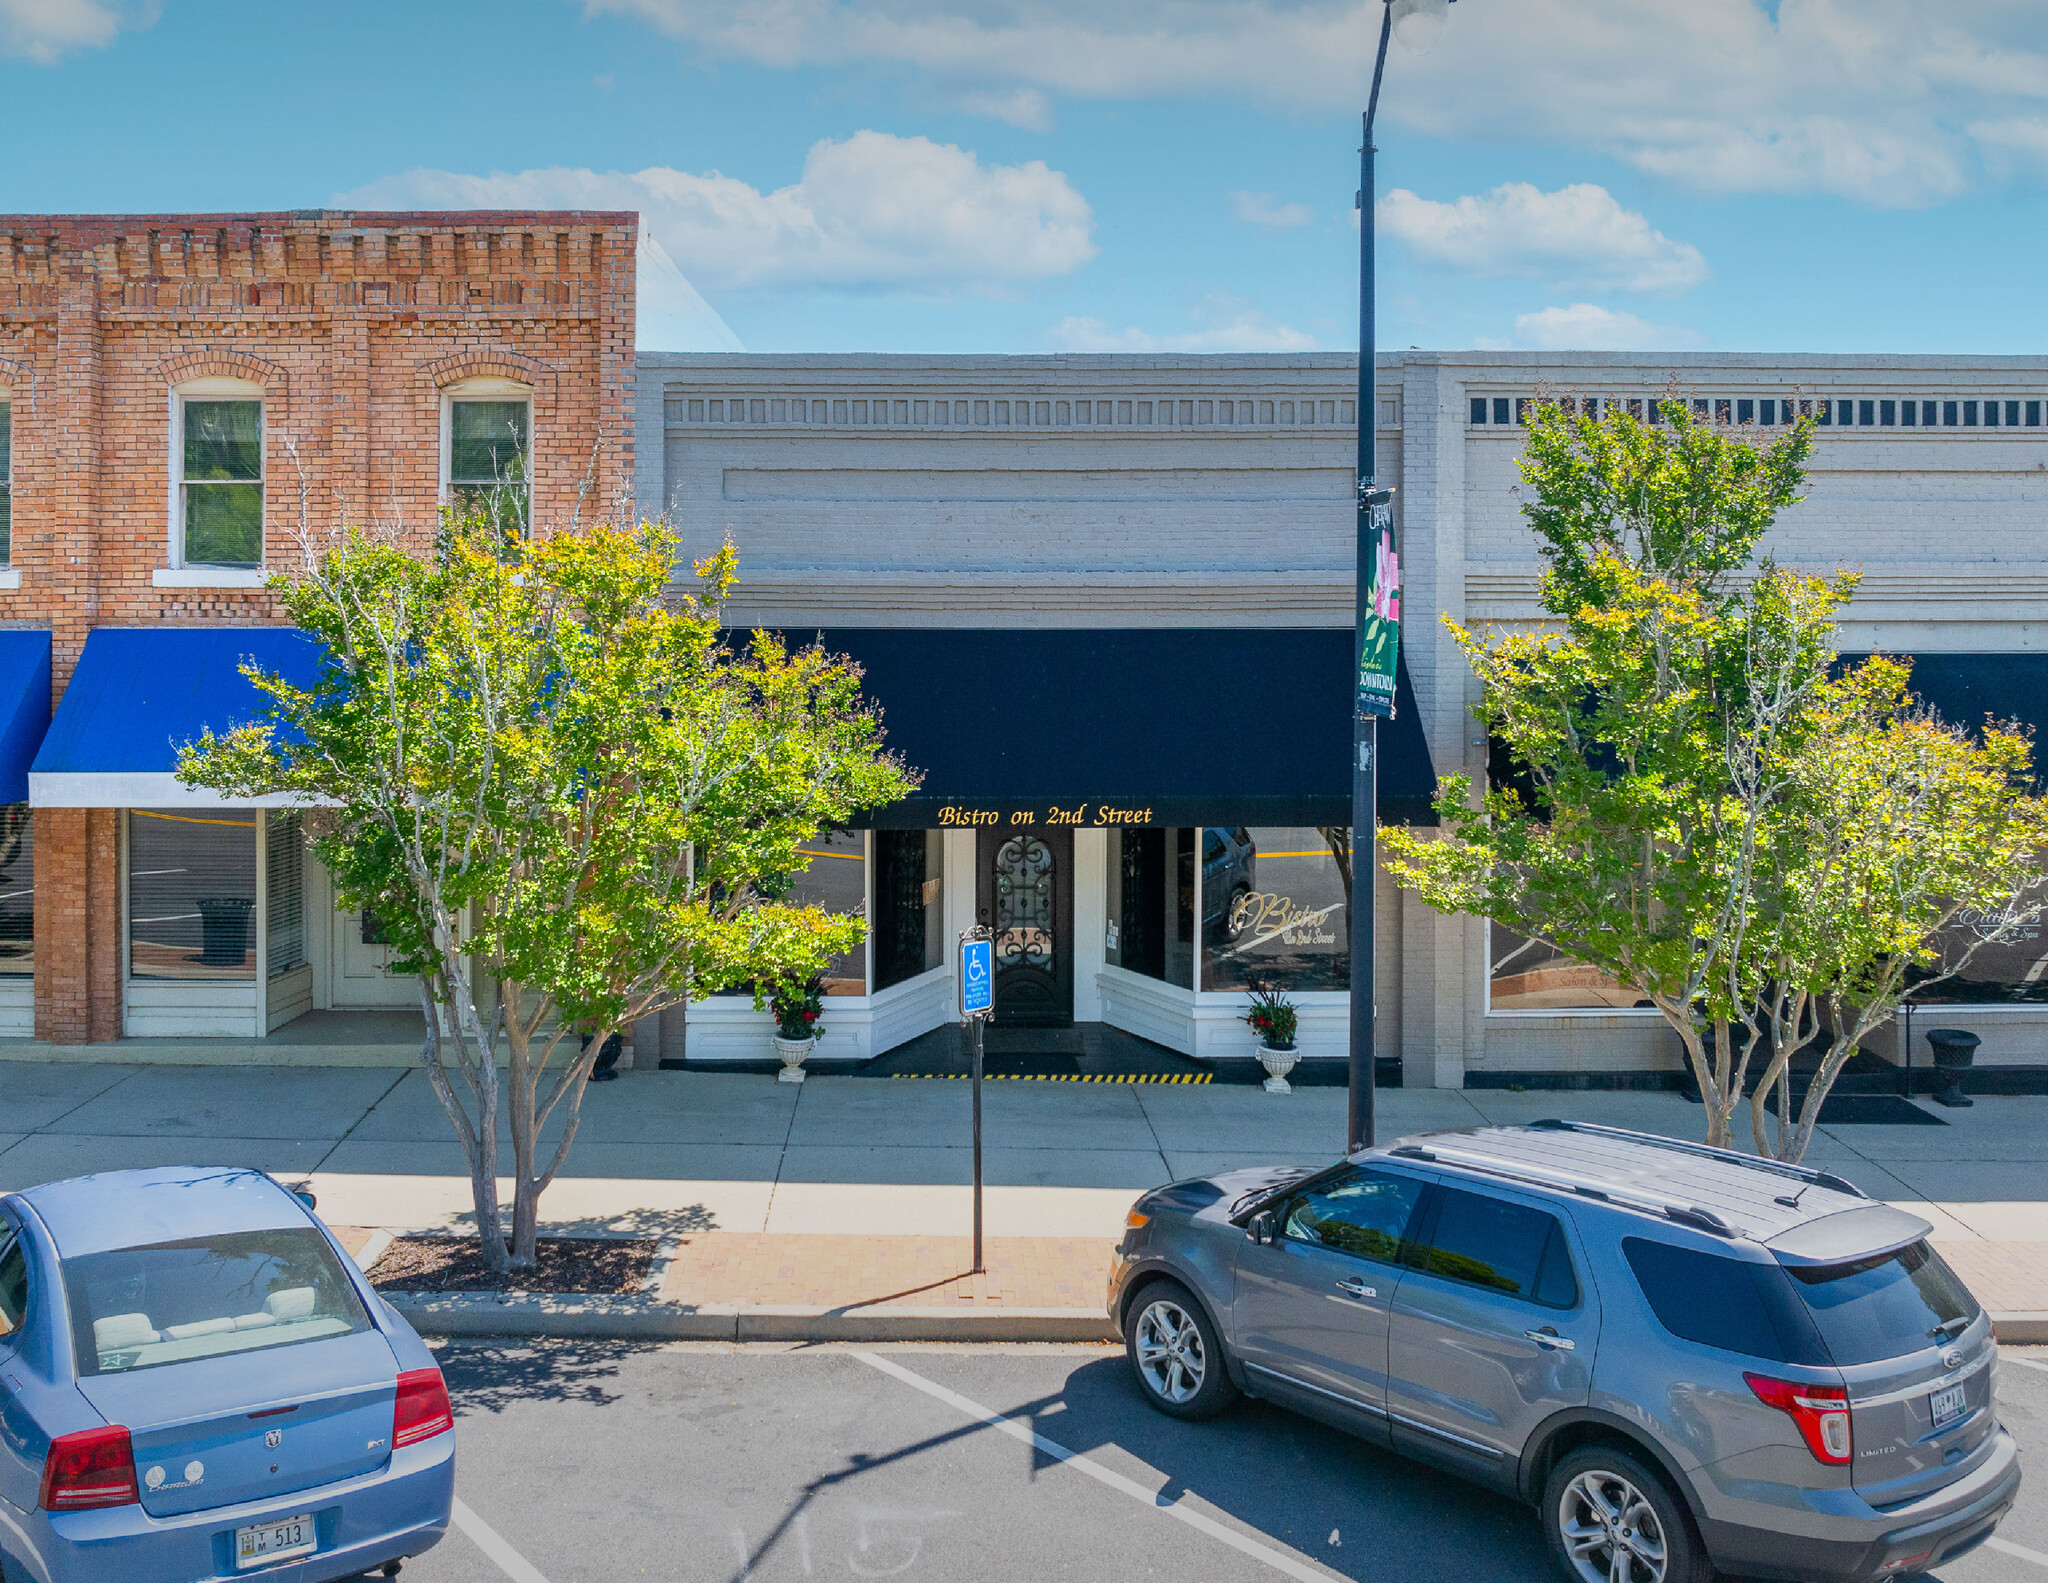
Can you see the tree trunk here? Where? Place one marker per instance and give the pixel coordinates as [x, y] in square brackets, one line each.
[525, 1200]
[479, 1141]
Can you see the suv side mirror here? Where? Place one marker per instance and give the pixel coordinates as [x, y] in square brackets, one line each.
[1261, 1227]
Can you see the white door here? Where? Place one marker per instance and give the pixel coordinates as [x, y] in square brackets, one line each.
[359, 975]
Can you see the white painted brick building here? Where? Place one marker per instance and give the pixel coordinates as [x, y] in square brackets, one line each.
[1208, 501]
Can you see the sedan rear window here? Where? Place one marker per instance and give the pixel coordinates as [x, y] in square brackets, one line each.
[1885, 1306]
[169, 1302]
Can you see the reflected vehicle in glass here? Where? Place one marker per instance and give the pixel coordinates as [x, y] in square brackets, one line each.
[1229, 877]
[198, 1383]
[1687, 1360]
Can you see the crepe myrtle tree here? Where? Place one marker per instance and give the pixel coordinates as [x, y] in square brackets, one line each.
[568, 798]
[1706, 807]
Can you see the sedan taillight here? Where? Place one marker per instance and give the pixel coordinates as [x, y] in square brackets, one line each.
[1820, 1411]
[421, 1410]
[93, 1468]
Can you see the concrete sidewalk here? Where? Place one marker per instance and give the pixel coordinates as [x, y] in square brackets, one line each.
[697, 1158]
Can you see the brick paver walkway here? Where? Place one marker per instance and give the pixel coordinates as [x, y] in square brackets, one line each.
[2006, 1277]
[767, 1269]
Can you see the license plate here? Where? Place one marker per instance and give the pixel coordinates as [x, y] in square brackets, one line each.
[262, 1543]
[1947, 1405]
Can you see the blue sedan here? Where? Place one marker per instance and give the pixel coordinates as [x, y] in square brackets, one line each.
[197, 1383]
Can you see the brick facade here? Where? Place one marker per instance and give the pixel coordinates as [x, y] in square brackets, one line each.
[353, 325]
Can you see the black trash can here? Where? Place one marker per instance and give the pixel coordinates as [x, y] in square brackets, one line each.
[224, 923]
[1954, 1049]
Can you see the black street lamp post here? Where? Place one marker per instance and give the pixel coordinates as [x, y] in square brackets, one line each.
[1421, 19]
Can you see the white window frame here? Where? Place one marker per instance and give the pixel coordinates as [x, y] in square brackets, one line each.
[486, 387]
[213, 387]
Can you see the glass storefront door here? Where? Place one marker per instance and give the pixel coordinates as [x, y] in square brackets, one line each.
[1025, 894]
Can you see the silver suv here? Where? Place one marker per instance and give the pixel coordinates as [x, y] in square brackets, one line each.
[1687, 1359]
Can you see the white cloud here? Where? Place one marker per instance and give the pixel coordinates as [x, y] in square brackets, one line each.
[1223, 323]
[1870, 99]
[43, 30]
[1578, 235]
[1587, 327]
[2014, 142]
[1266, 212]
[872, 212]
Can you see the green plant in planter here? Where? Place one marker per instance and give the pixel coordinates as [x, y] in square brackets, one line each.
[1271, 1017]
[797, 1004]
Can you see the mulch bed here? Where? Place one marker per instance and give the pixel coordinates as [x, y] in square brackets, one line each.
[610, 1266]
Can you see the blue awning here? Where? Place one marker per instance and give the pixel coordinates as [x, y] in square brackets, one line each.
[24, 707]
[141, 693]
[1188, 726]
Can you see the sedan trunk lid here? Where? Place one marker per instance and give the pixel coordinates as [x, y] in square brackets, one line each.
[215, 1431]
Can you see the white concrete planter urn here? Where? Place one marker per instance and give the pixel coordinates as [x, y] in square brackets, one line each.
[793, 1052]
[1278, 1063]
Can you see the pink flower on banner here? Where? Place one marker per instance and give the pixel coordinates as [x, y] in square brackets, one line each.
[1386, 583]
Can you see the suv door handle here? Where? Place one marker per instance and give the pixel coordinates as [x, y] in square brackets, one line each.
[1357, 1288]
[1550, 1340]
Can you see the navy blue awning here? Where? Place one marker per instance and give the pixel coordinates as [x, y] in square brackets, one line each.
[1964, 688]
[141, 693]
[1186, 726]
[24, 707]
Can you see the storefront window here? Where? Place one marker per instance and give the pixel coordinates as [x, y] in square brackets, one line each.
[909, 904]
[2014, 972]
[1528, 975]
[17, 891]
[835, 878]
[1150, 927]
[1276, 908]
[191, 895]
[285, 891]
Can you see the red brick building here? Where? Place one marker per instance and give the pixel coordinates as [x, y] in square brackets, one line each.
[179, 395]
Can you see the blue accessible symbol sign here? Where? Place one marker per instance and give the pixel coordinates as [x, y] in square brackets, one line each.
[977, 973]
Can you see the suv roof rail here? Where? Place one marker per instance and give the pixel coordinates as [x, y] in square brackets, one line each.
[1756, 1162]
[1644, 1200]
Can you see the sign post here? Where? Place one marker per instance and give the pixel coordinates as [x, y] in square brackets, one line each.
[977, 1005]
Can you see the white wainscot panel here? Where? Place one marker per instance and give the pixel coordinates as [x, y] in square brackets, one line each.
[202, 1009]
[17, 1008]
[915, 1006]
[1161, 1012]
[291, 996]
[1322, 1026]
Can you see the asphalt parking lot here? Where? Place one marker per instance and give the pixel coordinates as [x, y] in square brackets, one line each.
[586, 1463]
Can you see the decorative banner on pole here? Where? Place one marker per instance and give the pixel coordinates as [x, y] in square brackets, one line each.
[1379, 638]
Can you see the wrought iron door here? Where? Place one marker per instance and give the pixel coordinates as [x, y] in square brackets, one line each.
[1026, 898]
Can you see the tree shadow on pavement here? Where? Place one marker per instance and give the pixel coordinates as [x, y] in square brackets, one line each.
[489, 1377]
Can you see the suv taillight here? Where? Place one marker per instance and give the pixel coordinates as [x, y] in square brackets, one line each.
[421, 1410]
[1820, 1411]
[95, 1467]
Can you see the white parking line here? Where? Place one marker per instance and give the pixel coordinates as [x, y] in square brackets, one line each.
[1017, 1429]
[492, 1543]
[2007, 1547]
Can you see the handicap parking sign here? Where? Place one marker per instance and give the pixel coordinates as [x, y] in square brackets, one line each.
[977, 972]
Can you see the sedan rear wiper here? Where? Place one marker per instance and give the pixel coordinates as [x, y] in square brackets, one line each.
[1950, 1327]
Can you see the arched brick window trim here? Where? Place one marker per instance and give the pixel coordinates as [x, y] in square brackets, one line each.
[21, 379]
[527, 371]
[221, 363]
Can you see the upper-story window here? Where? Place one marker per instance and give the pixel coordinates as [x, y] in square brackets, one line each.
[487, 451]
[217, 449]
[6, 476]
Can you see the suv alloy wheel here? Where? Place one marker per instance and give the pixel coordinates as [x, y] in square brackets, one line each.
[1608, 1518]
[1176, 1354]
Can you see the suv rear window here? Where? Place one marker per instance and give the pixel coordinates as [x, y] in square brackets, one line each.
[1886, 1306]
[1721, 1302]
[169, 1302]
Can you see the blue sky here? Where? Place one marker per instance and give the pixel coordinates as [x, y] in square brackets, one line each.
[994, 175]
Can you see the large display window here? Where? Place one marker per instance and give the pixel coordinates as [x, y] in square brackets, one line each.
[1150, 924]
[191, 895]
[1530, 975]
[1276, 908]
[909, 914]
[17, 891]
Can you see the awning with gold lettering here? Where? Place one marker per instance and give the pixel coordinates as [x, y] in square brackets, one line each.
[1157, 726]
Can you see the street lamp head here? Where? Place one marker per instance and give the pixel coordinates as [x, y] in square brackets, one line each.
[1418, 24]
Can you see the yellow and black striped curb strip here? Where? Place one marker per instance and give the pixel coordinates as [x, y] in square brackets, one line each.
[1071, 1077]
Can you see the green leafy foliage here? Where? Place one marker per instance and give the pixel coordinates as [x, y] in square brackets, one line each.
[1759, 847]
[570, 802]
